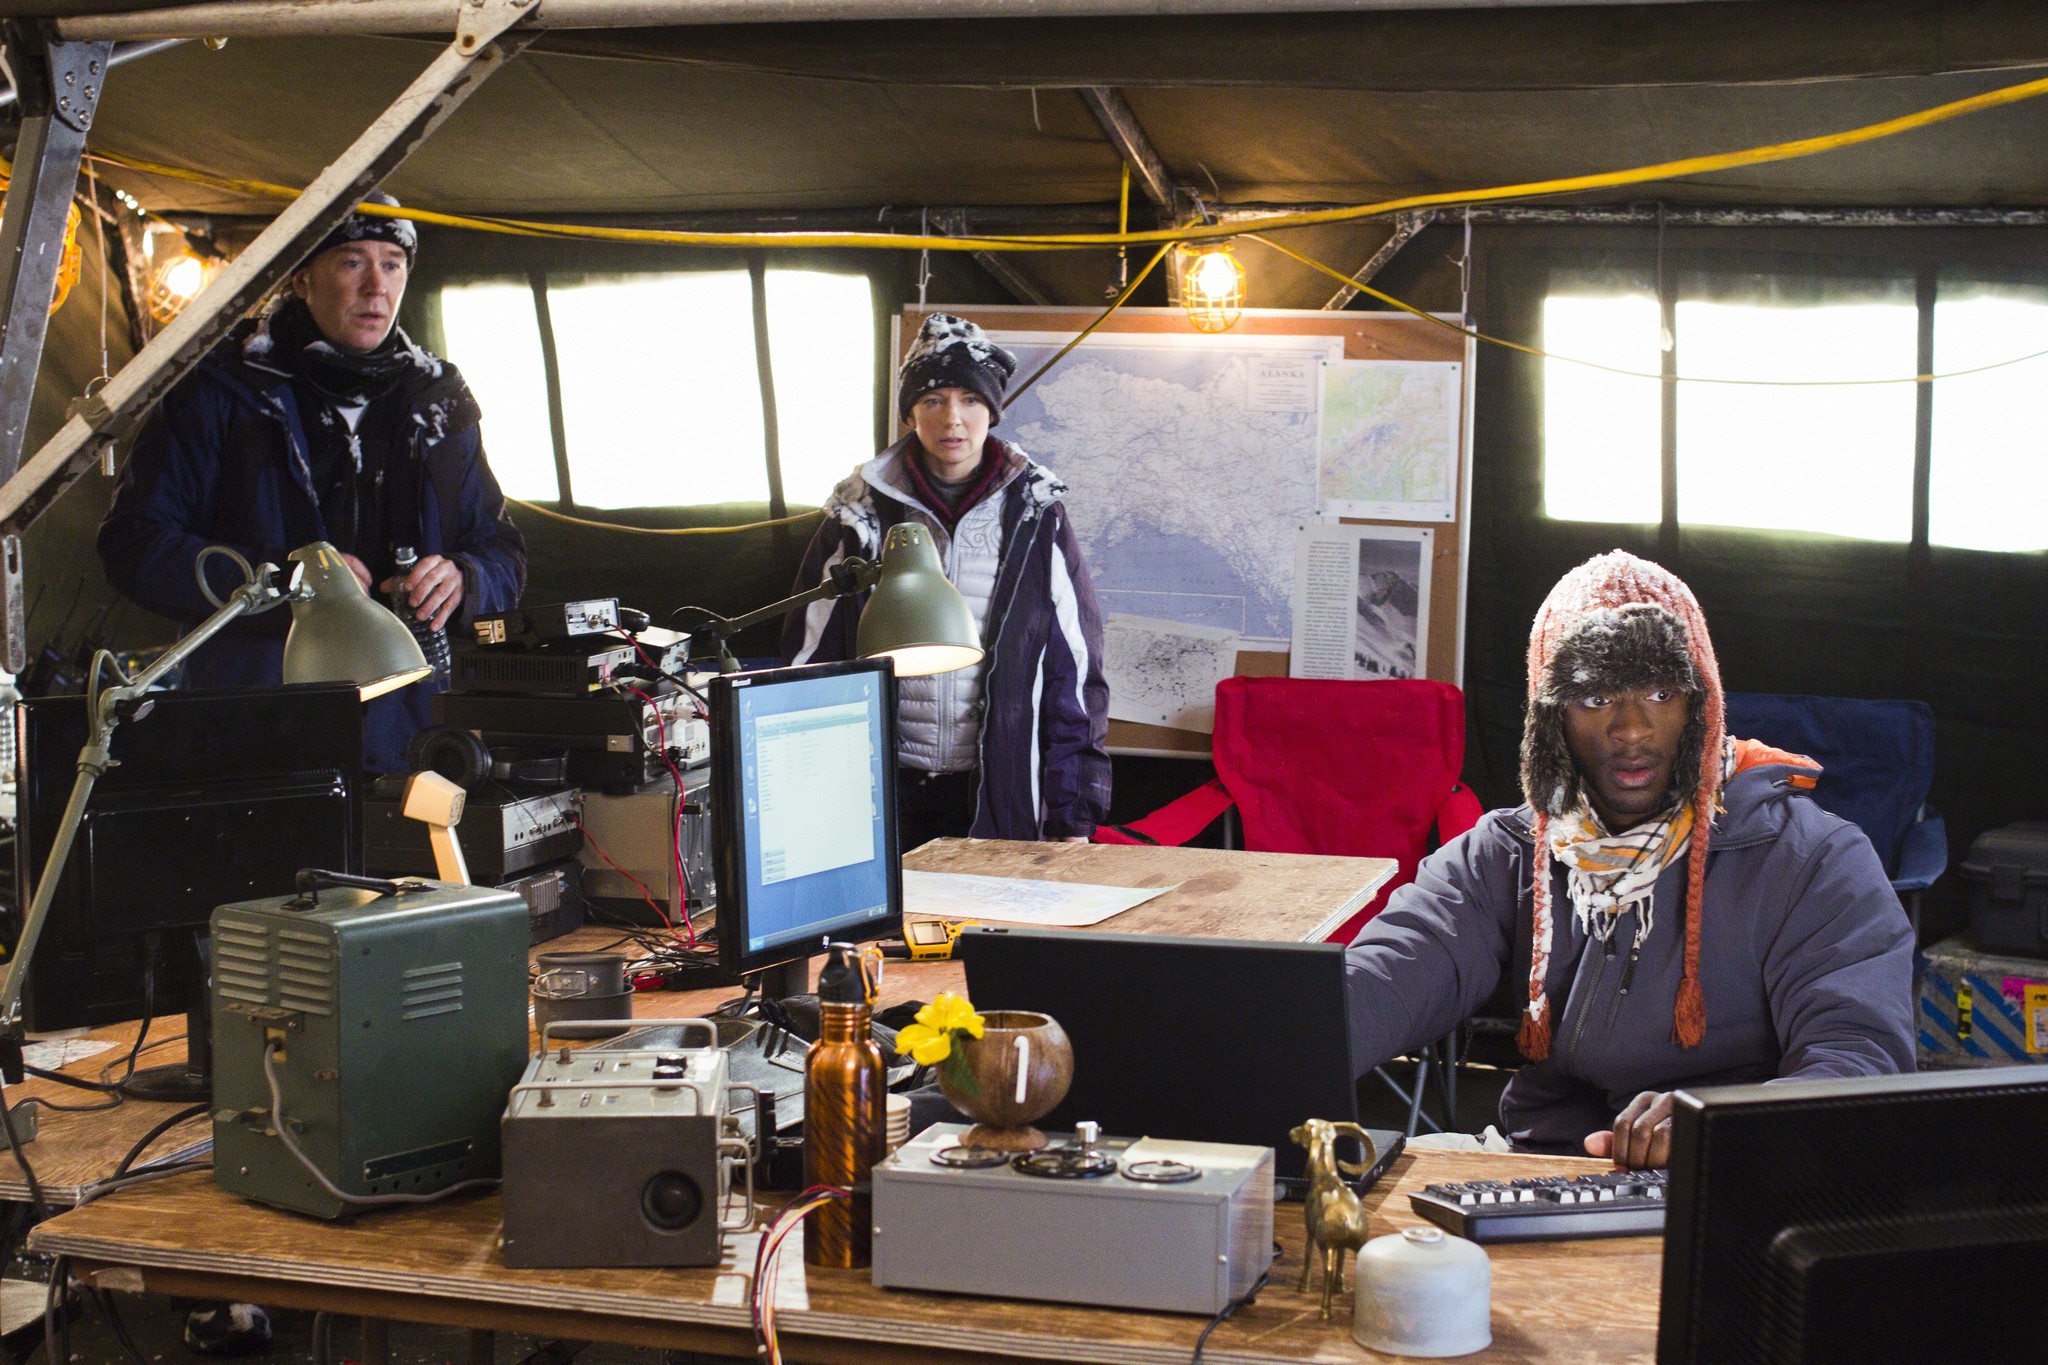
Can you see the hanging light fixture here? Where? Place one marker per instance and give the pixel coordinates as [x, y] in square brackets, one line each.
[69, 259]
[176, 275]
[1211, 286]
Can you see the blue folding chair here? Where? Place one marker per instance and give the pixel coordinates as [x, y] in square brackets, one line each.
[1877, 764]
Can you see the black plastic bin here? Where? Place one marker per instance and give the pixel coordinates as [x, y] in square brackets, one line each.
[2007, 872]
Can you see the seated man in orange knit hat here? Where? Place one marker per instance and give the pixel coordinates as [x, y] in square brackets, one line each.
[1681, 913]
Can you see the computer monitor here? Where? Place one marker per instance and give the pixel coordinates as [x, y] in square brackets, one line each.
[803, 815]
[1206, 1040]
[214, 796]
[1894, 1218]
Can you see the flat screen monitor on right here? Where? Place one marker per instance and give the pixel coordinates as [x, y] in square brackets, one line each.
[1892, 1218]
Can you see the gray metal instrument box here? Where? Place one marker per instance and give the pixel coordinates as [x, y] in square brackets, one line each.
[621, 1157]
[399, 1023]
[1111, 1240]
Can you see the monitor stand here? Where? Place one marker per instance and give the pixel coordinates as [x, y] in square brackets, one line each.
[184, 967]
[785, 979]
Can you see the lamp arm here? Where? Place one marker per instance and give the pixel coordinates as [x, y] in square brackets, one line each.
[108, 709]
[845, 578]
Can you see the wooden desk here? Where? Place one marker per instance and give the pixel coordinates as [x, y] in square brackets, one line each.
[1217, 893]
[1561, 1301]
[74, 1150]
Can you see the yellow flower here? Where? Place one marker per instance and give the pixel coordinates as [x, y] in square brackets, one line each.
[926, 1045]
[949, 1013]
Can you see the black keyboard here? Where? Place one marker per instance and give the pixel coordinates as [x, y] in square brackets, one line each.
[1548, 1208]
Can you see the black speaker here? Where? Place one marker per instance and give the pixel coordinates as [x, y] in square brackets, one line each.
[588, 1188]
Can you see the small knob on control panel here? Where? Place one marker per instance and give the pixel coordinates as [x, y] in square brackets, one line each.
[1087, 1133]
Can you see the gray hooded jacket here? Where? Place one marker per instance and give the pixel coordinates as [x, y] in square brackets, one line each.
[1806, 963]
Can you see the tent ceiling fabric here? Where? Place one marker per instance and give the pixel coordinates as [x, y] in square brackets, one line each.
[1733, 42]
[571, 134]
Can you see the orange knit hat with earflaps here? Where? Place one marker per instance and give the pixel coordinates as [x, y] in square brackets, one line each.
[1615, 622]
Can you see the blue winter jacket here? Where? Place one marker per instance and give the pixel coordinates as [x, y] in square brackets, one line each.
[1044, 760]
[1806, 964]
[223, 461]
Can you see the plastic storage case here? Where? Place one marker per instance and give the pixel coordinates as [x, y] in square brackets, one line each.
[2007, 872]
[1980, 1009]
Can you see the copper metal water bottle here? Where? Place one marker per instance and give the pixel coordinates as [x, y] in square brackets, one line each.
[845, 1110]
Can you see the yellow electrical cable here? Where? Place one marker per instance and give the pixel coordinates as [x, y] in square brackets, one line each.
[1667, 170]
[1089, 330]
[1538, 352]
[661, 530]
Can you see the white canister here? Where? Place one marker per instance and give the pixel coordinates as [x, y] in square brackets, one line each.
[1420, 1292]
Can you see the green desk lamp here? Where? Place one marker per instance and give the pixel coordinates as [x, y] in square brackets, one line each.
[915, 615]
[338, 635]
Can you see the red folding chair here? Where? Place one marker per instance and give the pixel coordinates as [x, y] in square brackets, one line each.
[1368, 769]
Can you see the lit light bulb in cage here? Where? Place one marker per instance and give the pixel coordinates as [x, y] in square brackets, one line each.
[1212, 287]
[176, 276]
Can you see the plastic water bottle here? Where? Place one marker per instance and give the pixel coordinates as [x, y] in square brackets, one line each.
[433, 643]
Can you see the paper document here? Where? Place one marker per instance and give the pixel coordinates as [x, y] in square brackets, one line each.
[734, 1282]
[54, 1054]
[1017, 900]
[1387, 440]
[1165, 673]
[1361, 602]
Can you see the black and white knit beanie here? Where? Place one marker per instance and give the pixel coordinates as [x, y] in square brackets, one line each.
[364, 227]
[953, 353]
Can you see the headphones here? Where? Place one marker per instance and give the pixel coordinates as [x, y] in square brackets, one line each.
[458, 755]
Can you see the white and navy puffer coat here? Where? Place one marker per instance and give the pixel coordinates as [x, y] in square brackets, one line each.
[1033, 716]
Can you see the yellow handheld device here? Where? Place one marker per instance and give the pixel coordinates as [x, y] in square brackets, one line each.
[927, 940]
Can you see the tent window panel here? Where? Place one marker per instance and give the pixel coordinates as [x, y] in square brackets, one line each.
[1832, 460]
[493, 336]
[1989, 476]
[661, 398]
[821, 342]
[1601, 441]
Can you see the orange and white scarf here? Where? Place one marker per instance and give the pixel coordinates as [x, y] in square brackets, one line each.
[1607, 875]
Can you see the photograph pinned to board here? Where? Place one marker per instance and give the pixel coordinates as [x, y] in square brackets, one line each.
[1361, 601]
[1165, 673]
[1387, 439]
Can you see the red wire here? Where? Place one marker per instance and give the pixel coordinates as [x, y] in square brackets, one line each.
[645, 894]
[767, 1268]
[675, 824]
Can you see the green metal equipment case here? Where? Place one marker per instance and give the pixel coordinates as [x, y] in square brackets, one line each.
[398, 1023]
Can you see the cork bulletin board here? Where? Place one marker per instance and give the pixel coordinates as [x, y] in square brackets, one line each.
[1363, 336]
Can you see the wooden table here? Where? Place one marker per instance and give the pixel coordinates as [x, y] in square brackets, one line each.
[76, 1149]
[1217, 893]
[1593, 1301]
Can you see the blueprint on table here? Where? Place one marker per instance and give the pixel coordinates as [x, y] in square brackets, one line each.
[1191, 462]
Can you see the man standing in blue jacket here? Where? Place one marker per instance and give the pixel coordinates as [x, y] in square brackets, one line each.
[319, 421]
[1014, 747]
[1681, 913]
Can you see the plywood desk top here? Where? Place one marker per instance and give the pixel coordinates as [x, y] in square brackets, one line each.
[1217, 893]
[1592, 1301]
[76, 1149]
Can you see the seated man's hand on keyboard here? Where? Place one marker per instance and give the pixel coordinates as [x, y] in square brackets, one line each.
[1641, 1136]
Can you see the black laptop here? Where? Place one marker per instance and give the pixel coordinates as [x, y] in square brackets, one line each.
[1206, 1040]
